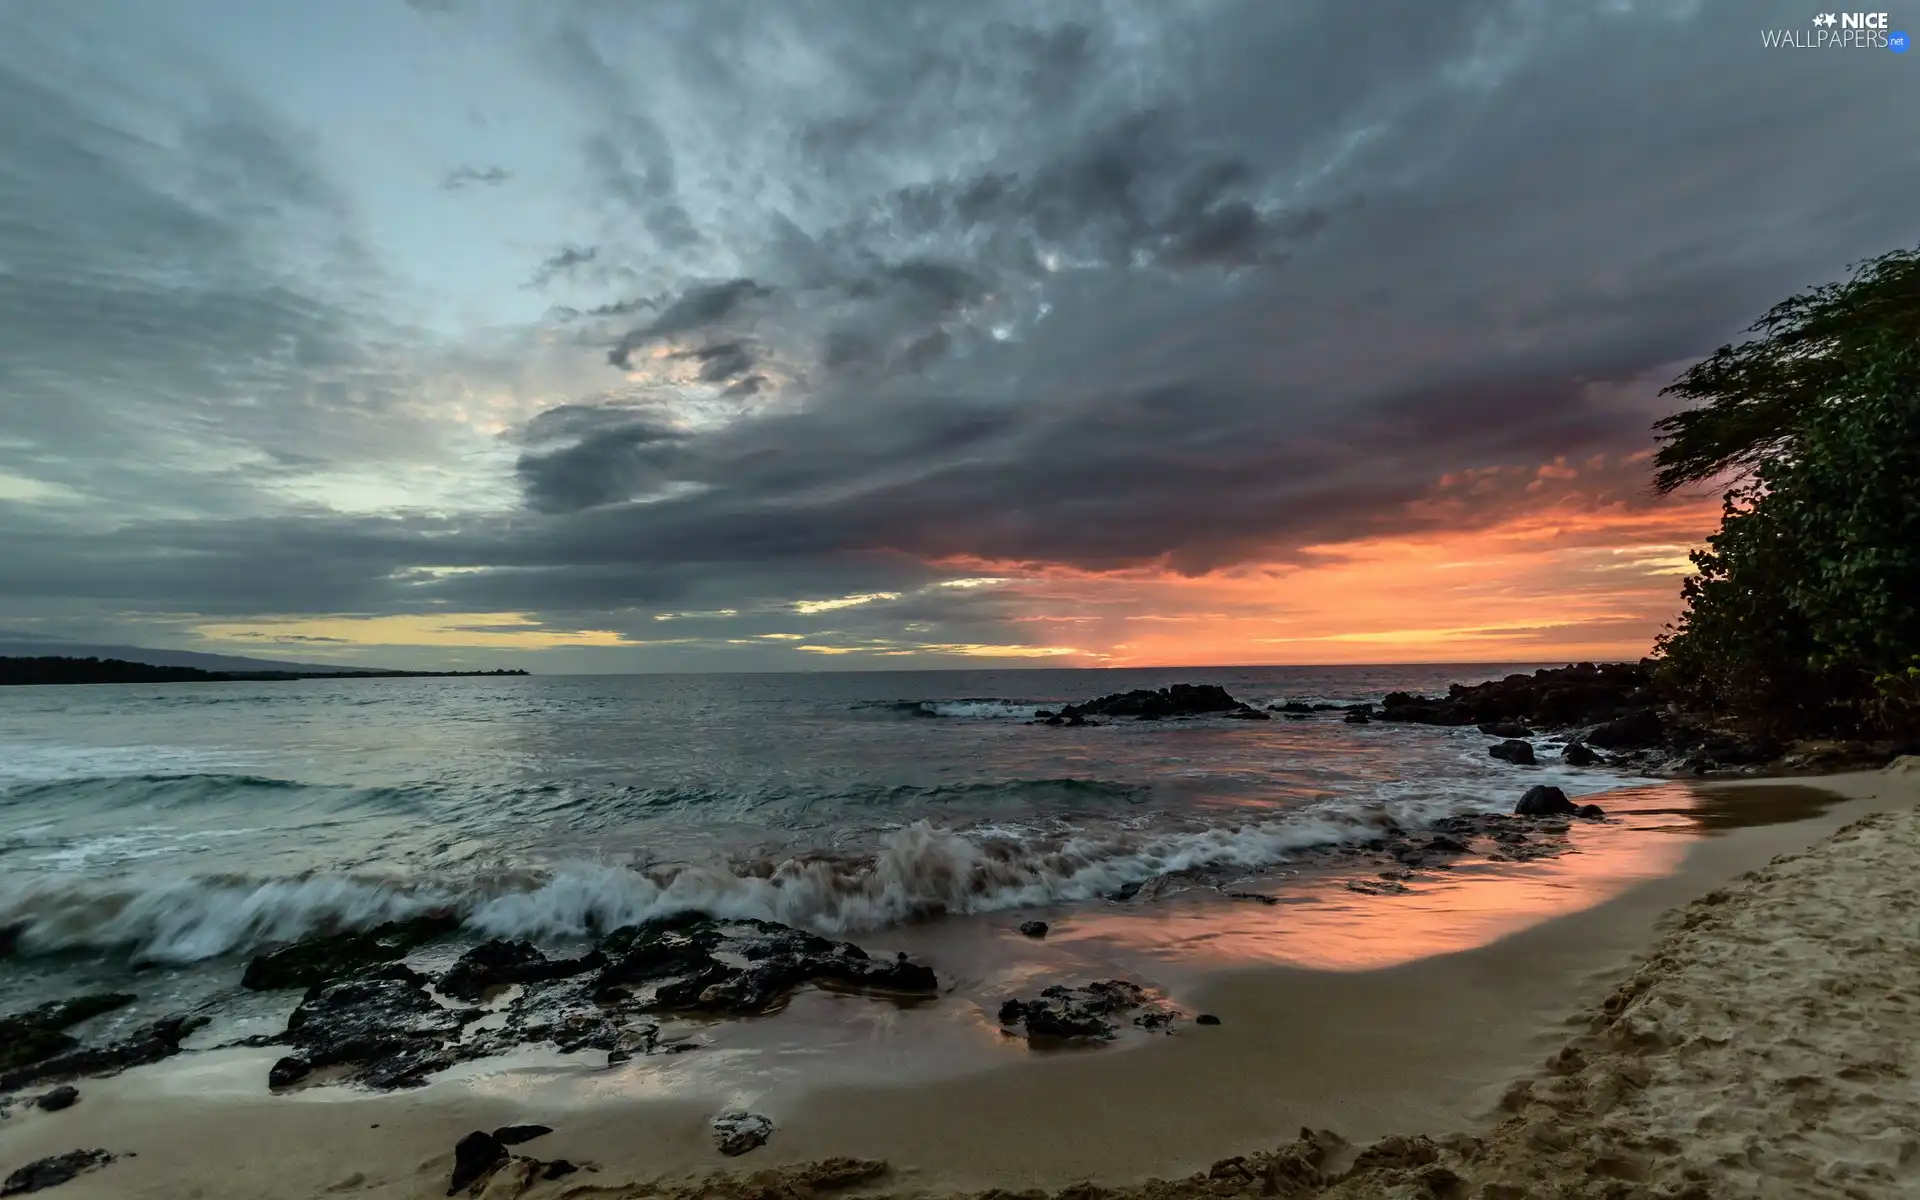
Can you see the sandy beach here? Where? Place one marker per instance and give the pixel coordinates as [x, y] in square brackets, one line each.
[1738, 1023]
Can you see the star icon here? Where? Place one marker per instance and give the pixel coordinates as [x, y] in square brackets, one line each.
[1824, 19]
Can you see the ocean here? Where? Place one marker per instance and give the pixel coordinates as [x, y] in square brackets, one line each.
[180, 827]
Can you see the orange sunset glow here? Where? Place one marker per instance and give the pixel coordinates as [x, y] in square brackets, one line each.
[1574, 578]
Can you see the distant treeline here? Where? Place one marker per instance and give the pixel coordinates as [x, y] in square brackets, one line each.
[114, 670]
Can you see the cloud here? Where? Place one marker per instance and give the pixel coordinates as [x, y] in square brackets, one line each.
[697, 308]
[467, 176]
[1157, 298]
[564, 262]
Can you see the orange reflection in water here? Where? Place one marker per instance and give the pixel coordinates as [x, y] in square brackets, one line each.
[1319, 923]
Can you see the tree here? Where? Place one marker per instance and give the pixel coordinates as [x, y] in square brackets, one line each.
[1755, 397]
[1805, 614]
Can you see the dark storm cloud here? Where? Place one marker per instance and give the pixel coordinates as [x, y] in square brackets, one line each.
[1170, 285]
[465, 177]
[579, 457]
[721, 362]
[695, 309]
[1442, 279]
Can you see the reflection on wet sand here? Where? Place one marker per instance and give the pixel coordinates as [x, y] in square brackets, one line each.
[1712, 810]
[1317, 923]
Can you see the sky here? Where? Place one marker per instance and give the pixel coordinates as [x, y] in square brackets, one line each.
[813, 334]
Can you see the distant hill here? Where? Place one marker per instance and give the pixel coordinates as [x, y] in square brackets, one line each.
[25, 648]
[59, 670]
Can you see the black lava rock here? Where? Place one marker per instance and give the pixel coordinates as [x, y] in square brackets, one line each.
[1034, 929]
[38, 1033]
[1180, 700]
[1577, 755]
[1506, 729]
[1206, 1019]
[1592, 812]
[1514, 751]
[1074, 1014]
[313, 961]
[559, 1168]
[514, 1135]
[498, 964]
[1542, 800]
[475, 1157]
[1631, 732]
[739, 1131]
[388, 1029]
[147, 1044]
[1292, 706]
[49, 1172]
[1576, 694]
[697, 962]
[1358, 717]
[64, 1096]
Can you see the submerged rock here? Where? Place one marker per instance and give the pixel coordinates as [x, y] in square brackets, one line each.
[1578, 755]
[1206, 1019]
[739, 1131]
[49, 1172]
[1358, 717]
[1544, 800]
[1034, 929]
[1293, 707]
[332, 957]
[1076, 1014]
[1592, 812]
[1514, 751]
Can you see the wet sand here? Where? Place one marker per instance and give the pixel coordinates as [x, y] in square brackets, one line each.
[1327, 1021]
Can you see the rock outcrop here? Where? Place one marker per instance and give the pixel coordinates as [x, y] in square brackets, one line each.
[331, 957]
[1143, 704]
[1061, 1014]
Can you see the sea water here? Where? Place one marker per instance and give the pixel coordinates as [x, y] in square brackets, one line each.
[183, 826]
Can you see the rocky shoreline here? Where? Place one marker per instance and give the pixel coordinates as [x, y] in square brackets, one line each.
[1611, 715]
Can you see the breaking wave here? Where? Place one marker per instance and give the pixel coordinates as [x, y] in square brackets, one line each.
[913, 873]
[977, 708]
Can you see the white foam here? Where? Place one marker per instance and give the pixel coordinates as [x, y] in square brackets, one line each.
[982, 709]
[913, 872]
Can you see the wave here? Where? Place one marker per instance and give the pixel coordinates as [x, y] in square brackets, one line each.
[978, 708]
[914, 872]
[157, 790]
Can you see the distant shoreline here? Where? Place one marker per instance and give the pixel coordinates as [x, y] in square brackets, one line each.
[26, 672]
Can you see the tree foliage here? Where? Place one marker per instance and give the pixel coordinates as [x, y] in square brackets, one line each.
[1805, 612]
[1752, 399]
